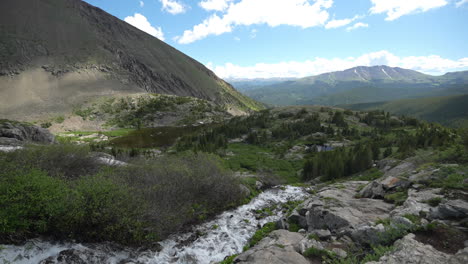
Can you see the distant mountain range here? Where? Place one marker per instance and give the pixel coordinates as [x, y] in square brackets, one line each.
[57, 54]
[360, 85]
[447, 110]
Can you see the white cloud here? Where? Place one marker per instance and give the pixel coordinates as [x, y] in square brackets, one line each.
[215, 5]
[172, 6]
[432, 64]
[300, 13]
[142, 4]
[336, 23]
[139, 21]
[397, 8]
[357, 25]
[460, 3]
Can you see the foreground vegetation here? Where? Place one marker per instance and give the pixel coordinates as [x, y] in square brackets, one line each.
[62, 191]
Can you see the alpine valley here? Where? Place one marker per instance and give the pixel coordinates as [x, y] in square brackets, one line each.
[117, 148]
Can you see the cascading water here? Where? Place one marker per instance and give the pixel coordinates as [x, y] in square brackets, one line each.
[210, 242]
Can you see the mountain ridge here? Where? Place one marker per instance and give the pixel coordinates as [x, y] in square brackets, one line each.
[359, 85]
[70, 48]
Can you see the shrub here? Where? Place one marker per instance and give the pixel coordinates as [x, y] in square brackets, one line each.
[31, 202]
[195, 184]
[103, 210]
[69, 161]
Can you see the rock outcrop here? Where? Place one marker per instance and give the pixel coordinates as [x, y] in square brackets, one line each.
[409, 251]
[280, 247]
[12, 133]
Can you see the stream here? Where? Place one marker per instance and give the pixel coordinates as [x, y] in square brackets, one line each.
[207, 243]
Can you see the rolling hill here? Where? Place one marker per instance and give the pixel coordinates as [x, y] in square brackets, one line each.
[447, 110]
[57, 54]
[361, 85]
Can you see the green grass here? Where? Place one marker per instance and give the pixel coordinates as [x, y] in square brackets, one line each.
[435, 201]
[368, 175]
[398, 198]
[315, 252]
[260, 234]
[229, 260]
[257, 159]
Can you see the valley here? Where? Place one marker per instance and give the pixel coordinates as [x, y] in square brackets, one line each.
[116, 147]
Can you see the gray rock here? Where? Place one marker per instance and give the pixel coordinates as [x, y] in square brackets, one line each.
[400, 221]
[410, 251]
[298, 219]
[282, 224]
[415, 203]
[280, 247]
[25, 132]
[336, 209]
[258, 185]
[367, 235]
[452, 209]
[339, 252]
[373, 190]
[460, 257]
[323, 234]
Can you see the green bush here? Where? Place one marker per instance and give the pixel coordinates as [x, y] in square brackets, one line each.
[131, 205]
[103, 210]
[31, 201]
[61, 160]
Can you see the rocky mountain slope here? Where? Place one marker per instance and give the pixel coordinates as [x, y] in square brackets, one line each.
[56, 54]
[359, 85]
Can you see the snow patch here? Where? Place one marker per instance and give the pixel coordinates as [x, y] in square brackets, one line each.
[387, 74]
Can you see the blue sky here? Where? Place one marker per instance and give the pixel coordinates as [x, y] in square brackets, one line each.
[296, 38]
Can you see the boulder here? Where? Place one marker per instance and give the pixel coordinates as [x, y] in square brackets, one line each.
[282, 224]
[452, 209]
[367, 235]
[373, 190]
[336, 209]
[280, 247]
[378, 189]
[25, 132]
[410, 251]
[416, 204]
[340, 252]
[298, 219]
[323, 234]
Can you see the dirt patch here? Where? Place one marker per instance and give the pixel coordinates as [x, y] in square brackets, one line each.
[447, 240]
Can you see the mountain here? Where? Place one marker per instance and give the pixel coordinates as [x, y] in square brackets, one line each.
[243, 84]
[57, 54]
[360, 85]
[447, 110]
